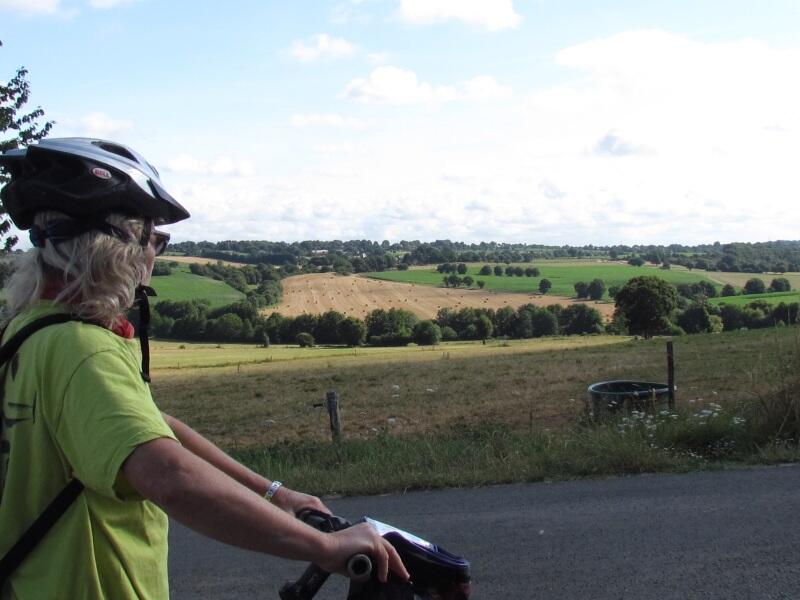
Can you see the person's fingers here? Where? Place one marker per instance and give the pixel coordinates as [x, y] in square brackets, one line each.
[395, 563]
[383, 562]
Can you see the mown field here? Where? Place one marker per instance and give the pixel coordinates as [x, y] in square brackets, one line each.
[775, 298]
[562, 274]
[183, 285]
[354, 295]
[535, 384]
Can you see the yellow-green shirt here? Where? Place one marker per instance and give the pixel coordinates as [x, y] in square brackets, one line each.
[74, 404]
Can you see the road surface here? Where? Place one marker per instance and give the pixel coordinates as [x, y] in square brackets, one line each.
[729, 535]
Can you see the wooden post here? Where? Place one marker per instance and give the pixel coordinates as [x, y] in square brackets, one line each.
[332, 401]
[671, 375]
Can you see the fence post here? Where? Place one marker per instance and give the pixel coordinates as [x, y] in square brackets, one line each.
[671, 375]
[332, 402]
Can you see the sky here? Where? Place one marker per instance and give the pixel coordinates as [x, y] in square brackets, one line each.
[538, 121]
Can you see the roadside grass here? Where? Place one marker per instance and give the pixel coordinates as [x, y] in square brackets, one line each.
[497, 416]
[493, 453]
[562, 274]
[774, 298]
[183, 285]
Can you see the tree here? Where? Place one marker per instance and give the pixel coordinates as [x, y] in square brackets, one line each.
[427, 333]
[728, 290]
[468, 281]
[522, 325]
[580, 318]
[780, 284]
[503, 319]
[161, 268]
[596, 289]
[531, 272]
[484, 327]
[481, 283]
[17, 128]
[509, 271]
[695, 319]
[581, 289]
[461, 268]
[613, 291]
[544, 322]
[544, 286]
[304, 340]
[636, 261]
[645, 303]
[352, 331]
[498, 270]
[227, 328]
[755, 286]
[485, 270]
[327, 329]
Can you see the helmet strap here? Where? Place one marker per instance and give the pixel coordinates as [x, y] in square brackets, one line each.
[62, 230]
[142, 294]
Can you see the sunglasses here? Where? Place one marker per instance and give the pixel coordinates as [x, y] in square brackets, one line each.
[160, 241]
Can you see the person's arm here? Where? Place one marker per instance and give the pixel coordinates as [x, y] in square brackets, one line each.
[202, 497]
[287, 499]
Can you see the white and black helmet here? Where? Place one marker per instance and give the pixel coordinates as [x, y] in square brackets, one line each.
[86, 179]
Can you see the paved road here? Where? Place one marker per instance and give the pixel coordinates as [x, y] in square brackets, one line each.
[719, 535]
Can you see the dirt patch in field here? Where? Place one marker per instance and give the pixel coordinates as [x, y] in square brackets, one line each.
[357, 296]
[198, 260]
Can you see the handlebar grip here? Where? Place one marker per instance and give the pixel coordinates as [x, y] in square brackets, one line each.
[359, 567]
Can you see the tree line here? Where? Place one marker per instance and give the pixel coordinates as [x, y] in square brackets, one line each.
[649, 305]
[195, 320]
[357, 256]
[646, 305]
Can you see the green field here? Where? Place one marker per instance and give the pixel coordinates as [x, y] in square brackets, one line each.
[183, 285]
[562, 274]
[468, 414]
[182, 356]
[776, 298]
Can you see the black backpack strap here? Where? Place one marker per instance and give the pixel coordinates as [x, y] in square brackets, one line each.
[34, 534]
[11, 346]
[39, 528]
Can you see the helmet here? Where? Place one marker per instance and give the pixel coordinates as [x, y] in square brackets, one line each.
[84, 178]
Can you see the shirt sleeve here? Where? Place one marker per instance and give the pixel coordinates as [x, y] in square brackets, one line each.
[107, 411]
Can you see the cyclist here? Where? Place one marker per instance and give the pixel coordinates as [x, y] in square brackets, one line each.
[76, 405]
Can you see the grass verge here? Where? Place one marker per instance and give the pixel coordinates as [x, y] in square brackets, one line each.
[494, 454]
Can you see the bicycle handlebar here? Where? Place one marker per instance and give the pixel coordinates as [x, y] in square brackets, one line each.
[358, 566]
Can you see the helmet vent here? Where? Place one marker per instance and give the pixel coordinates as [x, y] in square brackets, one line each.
[118, 150]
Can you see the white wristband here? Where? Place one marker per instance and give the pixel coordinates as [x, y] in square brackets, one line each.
[273, 489]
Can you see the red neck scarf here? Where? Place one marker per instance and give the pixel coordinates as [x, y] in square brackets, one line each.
[121, 326]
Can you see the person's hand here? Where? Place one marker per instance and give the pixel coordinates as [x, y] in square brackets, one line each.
[363, 539]
[293, 502]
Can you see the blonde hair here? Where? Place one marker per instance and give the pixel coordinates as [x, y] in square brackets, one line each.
[96, 274]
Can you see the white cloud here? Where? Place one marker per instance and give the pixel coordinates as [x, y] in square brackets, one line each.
[220, 166]
[649, 137]
[493, 15]
[44, 7]
[104, 4]
[401, 86]
[322, 46]
[485, 88]
[327, 120]
[100, 125]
